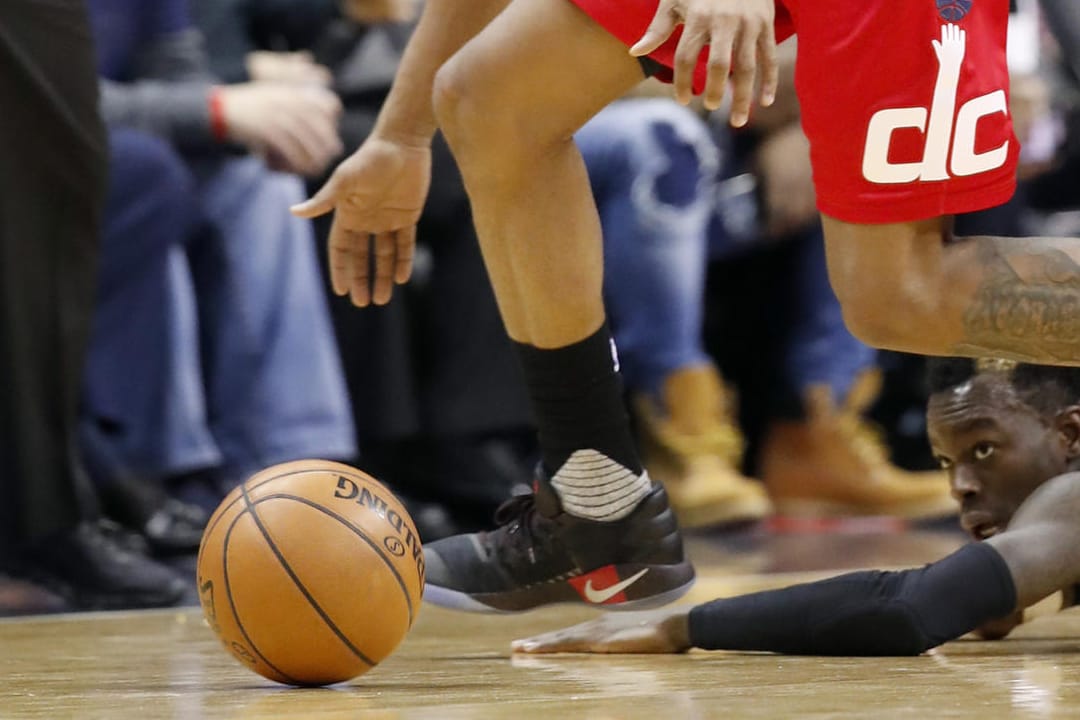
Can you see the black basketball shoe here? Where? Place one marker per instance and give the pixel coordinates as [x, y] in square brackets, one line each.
[540, 555]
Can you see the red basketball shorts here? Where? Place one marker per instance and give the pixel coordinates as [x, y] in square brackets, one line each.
[905, 103]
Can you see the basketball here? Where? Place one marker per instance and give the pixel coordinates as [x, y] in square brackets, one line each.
[310, 573]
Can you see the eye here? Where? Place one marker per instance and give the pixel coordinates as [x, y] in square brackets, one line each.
[944, 462]
[982, 451]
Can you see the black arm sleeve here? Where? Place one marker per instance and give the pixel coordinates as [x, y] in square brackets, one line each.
[864, 613]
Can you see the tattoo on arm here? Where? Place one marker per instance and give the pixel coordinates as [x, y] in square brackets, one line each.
[1027, 306]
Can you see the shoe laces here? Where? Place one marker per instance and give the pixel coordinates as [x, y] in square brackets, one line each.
[519, 520]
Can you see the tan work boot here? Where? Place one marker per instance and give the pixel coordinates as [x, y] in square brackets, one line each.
[692, 447]
[835, 464]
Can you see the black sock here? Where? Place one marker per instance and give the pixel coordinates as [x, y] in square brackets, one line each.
[865, 613]
[577, 397]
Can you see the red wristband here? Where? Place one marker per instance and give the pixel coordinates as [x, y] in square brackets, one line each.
[218, 127]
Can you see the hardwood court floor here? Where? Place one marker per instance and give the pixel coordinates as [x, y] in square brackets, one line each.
[167, 664]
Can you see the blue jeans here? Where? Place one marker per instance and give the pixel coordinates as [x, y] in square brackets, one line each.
[820, 349]
[652, 165]
[670, 201]
[212, 345]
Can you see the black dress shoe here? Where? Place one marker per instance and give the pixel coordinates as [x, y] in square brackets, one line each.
[168, 525]
[94, 568]
[21, 597]
[175, 528]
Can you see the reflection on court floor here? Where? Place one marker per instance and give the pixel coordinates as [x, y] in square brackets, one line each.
[168, 664]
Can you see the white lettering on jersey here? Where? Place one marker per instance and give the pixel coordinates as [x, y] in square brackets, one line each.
[941, 124]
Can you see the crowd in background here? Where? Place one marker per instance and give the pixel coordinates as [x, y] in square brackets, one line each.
[217, 349]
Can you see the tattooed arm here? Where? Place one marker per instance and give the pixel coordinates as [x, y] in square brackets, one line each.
[1028, 301]
[913, 287]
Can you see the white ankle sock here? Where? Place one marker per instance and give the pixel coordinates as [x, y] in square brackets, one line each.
[593, 486]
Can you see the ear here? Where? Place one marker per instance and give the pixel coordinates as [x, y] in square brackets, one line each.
[1068, 426]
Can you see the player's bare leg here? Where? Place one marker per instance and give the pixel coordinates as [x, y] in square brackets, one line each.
[912, 287]
[509, 104]
[505, 105]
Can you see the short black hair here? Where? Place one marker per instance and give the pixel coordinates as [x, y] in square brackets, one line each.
[1046, 388]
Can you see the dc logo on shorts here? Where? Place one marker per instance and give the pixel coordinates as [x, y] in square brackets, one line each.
[953, 10]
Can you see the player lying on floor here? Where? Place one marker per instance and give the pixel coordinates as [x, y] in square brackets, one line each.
[1009, 435]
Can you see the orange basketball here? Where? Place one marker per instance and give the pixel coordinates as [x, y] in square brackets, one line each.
[311, 572]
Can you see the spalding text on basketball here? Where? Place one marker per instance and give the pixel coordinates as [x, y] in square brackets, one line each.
[349, 490]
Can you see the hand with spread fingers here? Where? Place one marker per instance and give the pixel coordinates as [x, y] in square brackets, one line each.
[741, 41]
[376, 195]
[651, 632]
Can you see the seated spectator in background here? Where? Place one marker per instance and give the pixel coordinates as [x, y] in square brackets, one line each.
[440, 410]
[214, 355]
[1009, 437]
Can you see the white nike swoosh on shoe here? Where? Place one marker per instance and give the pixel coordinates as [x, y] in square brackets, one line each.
[603, 595]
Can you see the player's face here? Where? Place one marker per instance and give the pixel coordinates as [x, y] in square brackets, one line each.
[996, 449]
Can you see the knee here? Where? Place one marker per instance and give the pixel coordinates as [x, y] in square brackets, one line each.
[458, 101]
[687, 168]
[151, 200]
[483, 115]
[683, 139]
[861, 315]
[867, 313]
[890, 311]
[146, 166]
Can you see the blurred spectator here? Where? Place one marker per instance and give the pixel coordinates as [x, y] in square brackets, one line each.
[52, 183]
[214, 354]
[440, 410]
